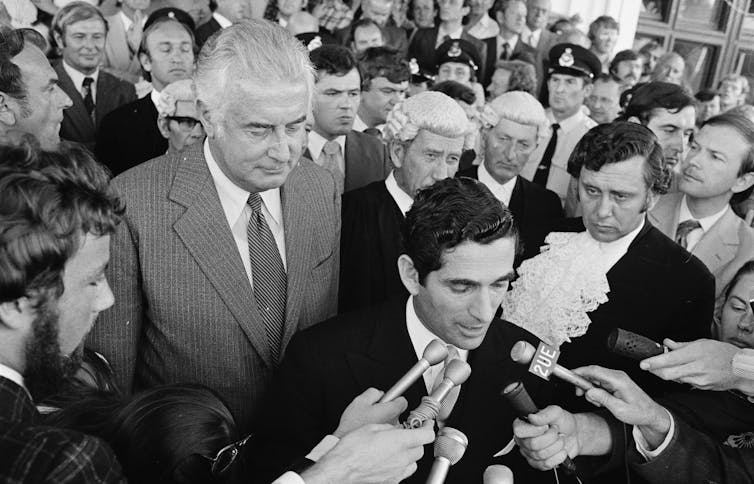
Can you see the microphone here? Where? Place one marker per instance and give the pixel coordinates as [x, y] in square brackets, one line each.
[544, 363]
[456, 372]
[498, 474]
[632, 345]
[522, 403]
[434, 353]
[450, 446]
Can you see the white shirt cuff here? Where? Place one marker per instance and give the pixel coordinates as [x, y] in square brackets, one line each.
[642, 445]
[324, 446]
[289, 478]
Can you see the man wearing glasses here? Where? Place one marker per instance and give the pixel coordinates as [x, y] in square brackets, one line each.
[177, 119]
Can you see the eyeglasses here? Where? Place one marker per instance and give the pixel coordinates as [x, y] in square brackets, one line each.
[226, 456]
[185, 122]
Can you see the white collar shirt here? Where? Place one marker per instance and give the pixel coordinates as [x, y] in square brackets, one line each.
[223, 21]
[609, 253]
[485, 28]
[696, 235]
[502, 191]
[317, 143]
[359, 124]
[512, 42]
[14, 376]
[442, 33]
[78, 79]
[401, 198]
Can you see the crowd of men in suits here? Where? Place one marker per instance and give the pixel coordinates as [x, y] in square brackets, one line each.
[301, 205]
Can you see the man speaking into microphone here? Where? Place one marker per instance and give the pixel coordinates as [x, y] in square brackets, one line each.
[459, 245]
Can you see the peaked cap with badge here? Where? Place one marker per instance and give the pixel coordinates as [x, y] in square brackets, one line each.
[574, 60]
[461, 51]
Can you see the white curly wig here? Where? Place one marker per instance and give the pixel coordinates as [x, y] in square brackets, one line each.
[172, 94]
[521, 107]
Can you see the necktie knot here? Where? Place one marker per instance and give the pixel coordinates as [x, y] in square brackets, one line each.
[683, 231]
[331, 147]
[255, 202]
[555, 126]
[453, 354]
[88, 82]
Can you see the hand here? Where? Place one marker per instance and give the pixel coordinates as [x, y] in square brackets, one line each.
[703, 363]
[627, 402]
[548, 438]
[374, 453]
[364, 409]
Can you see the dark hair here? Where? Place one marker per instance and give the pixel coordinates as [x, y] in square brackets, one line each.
[48, 201]
[706, 95]
[165, 434]
[523, 75]
[501, 6]
[643, 99]
[455, 90]
[602, 21]
[745, 128]
[618, 141]
[448, 213]
[362, 23]
[12, 42]
[155, 24]
[332, 59]
[382, 62]
[622, 56]
[747, 268]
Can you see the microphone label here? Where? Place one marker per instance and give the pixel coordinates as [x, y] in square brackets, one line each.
[544, 361]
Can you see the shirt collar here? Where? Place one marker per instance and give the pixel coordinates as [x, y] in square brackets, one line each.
[154, 95]
[234, 198]
[501, 191]
[400, 197]
[317, 142]
[441, 33]
[511, 42]
[78, 77]
[359, 124]
[223, 21]
[568, 123]
[611, 252]
[420, 335]
[13, 375]
[706, 222]
[127, 22]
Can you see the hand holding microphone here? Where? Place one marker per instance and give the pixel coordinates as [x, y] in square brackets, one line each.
[456, 373]
[367, 408]
[450, 445]
[434, 353]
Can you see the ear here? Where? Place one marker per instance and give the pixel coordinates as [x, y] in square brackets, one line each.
[634, 119]
[7, 115]
[206, 118]
[409, 275]
[17, 314]
[652, 199]
[162, 125]
[743, 183]
[58, 40]
[146, 62]
[397, 153]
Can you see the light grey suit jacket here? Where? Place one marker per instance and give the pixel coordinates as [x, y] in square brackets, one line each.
[724, 248]
[118, 59]
[184, 309]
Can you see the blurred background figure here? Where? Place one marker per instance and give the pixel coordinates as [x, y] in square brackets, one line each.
[423, 13]
[603, 33]
[708, 105]
[198, 9]
[280, 11]
[670, 68]
[650, 53]
[124, 33]
[514, 75]
[479, 23]
[604, 100]
[733, 90]
[178, 119]
[626, 67]
[365, 33]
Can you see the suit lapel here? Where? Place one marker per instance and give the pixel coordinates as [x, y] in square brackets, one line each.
[351, 157]
[516, 204]
[77, 112]
[386, 220]
[105, 86]
[205, 233]
[15, 403]
[665, 214]
[718, 246]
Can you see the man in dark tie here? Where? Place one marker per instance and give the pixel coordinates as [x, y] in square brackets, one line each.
[508, 44]
[426, 135]
[230, 246]
[79, 30]
[355, 159]
[458, 248]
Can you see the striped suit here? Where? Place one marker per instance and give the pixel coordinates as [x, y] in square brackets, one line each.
[184, 308]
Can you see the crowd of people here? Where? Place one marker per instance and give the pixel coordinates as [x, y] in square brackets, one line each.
[226, 239]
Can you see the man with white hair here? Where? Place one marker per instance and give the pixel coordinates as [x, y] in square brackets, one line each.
[426, 136]
[520, 126]
[232, 245]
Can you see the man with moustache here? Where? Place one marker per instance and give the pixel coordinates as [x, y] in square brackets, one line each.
[30, 99]
[354, 158]
[129, 135]
[626, 67]
[56, 217]
[79, 30]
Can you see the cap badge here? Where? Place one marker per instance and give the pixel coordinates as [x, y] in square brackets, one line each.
[455, 50]
[171, 14]
[413, 66]
[566, 58]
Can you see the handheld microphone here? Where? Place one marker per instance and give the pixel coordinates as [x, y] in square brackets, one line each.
[632, 345]
[524, 406]
[543, 363]
[434, 353]
[498, 474]
[456, 372]
[450, 446]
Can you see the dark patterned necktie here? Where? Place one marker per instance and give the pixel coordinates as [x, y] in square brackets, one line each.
[506, 51]
[268, 275]
[86, 90]
[543, 170]
[684, 229]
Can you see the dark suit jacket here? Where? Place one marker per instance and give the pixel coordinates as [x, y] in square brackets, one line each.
[366, 160]
[77, 125]
[370, 243]
[185, 310]
[129, 136]
[205, 31]
[522, 51]
[33, 453]
[657, 289]
[422, 48]
[532, 206]
[330, 364]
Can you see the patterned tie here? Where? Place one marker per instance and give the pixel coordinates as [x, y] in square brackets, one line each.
[86, 91]
[447, 404]
[684, 229]
[268, 275]
[543, 170]
[331, 160]
[506, 51]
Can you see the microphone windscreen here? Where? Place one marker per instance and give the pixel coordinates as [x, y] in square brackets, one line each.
[498, 474]
[457, 371]
[632, 345]
[519, 399]
[435, 352]
[522, 352]
[450, 444]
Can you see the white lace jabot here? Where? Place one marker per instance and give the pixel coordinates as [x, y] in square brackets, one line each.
[557, 288]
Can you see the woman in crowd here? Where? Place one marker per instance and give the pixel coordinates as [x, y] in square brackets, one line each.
[178, 119]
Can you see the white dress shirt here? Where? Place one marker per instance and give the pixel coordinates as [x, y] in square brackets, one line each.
[224, 22]
[609, 253]
[503, 191]
[484, 28]
[512, 42]
[12, 375]
[78, 79]
[237, 212]
[570, 132]
[441, 33]
[154, 95]
[400, 197]
[696, 235]
[642, 446]
[421, 336]
[531, 37]
[317, 143]
[359, 124]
